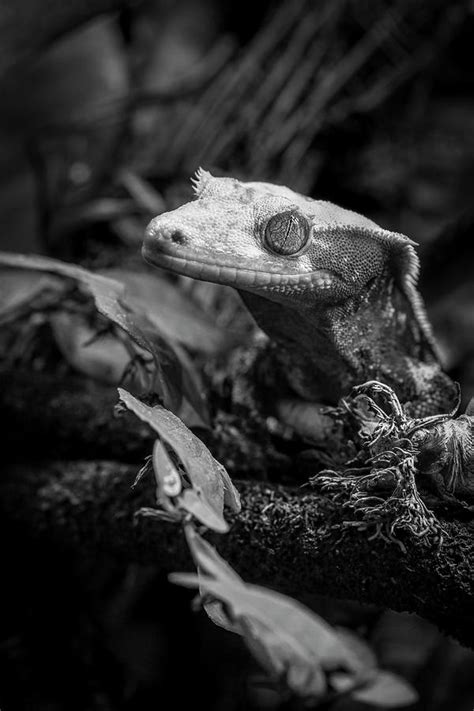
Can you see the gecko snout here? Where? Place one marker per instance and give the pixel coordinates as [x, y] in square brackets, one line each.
[165, 233]
[162, 237]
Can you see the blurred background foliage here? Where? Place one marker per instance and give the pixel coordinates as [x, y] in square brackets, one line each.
[367, 104]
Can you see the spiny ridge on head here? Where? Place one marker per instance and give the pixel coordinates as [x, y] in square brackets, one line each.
[200, 180]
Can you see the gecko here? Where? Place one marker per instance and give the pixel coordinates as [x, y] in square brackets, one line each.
[335, 293]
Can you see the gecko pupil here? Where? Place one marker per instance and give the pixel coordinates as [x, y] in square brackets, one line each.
[286, 233]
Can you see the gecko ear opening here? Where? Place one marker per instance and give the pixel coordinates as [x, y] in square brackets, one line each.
[200, 180]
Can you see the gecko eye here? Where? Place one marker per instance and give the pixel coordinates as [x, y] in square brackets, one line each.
[286, 233]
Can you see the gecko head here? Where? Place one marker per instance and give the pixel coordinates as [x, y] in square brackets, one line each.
[274, 242]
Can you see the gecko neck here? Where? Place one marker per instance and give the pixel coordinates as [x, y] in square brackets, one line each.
[323, 351]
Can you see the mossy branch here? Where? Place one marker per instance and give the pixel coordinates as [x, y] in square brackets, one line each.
[283, 538]
[286, 538]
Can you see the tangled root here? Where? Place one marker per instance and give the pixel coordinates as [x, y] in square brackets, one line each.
[379, 490]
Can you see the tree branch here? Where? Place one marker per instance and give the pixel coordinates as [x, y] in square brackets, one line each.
[287, 538]
[282, 537]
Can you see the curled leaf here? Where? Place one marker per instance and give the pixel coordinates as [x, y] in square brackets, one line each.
[204, 472]
[169, 485]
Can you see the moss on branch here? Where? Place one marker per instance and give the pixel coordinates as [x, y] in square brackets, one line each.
[283, 538]
[287, 538]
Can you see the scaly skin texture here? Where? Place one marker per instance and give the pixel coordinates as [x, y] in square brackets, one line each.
[335, 293]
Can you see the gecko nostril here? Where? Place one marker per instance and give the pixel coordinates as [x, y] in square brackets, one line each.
[165, 233]
[178, 237]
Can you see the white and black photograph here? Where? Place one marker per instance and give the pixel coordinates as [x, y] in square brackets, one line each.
[237, 355]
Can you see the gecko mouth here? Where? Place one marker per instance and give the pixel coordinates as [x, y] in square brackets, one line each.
[236, 277]
[220, 272]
